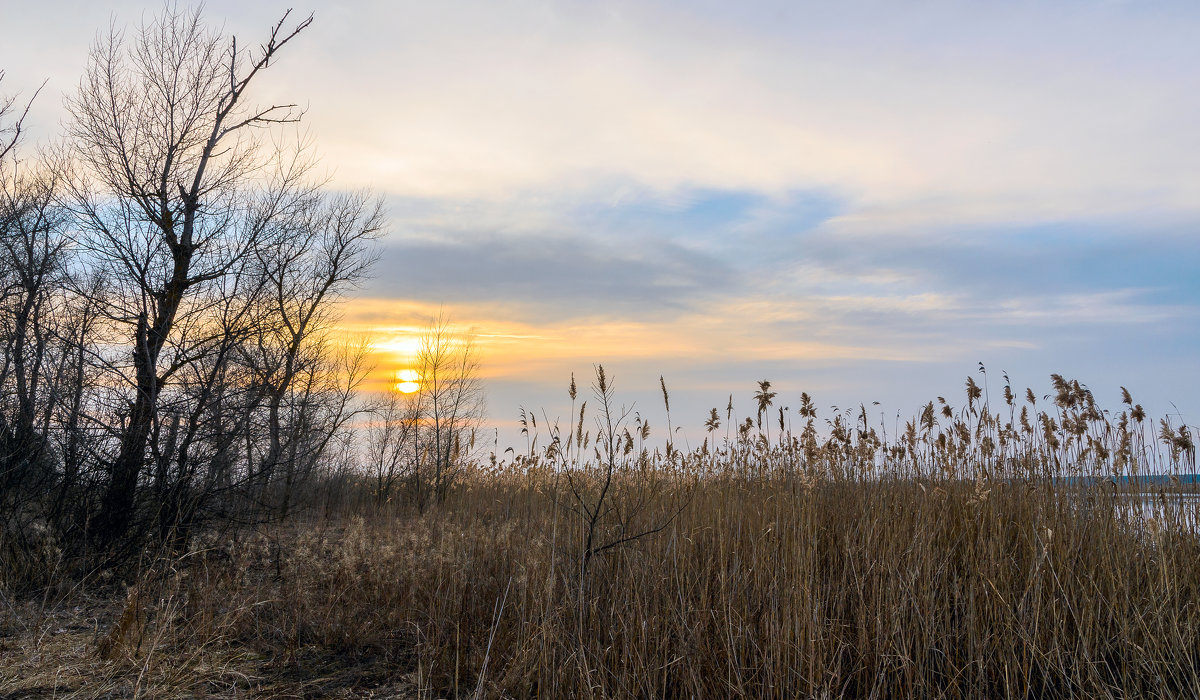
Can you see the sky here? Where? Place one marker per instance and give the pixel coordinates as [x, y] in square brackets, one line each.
[861, 200]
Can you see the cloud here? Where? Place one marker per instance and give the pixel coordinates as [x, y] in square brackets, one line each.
[650, 257]
[924, 114]
[853, 192]
[935, 112]
[554, 272]
[1011, 261]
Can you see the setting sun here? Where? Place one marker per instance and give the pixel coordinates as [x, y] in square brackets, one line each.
[407, 381]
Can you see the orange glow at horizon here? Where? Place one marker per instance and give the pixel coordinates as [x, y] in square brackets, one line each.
[513, 349]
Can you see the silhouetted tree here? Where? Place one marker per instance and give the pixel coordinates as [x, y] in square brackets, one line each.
[223, 258]
[169, 277]
[449, 406]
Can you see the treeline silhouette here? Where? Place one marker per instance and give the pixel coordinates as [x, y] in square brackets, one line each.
[168, 273]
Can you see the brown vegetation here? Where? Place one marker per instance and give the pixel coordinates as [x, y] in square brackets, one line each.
[844, 566]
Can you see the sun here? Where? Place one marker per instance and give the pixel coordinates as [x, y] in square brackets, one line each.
[407, 381]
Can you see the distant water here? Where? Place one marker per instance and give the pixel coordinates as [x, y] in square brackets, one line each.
[1157, 501]
[1145, 480]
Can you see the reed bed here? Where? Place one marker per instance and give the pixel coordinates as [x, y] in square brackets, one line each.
[933, 565]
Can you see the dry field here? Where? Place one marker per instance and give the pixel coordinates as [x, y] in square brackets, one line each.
[955, 562]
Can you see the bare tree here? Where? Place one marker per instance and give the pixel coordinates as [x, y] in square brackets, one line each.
[33, 270]
[390, 433]
[12, 125]
[167, 198]
[445, 411]
[611, 498]
[38, 324]
[169, 279]
[326, 249]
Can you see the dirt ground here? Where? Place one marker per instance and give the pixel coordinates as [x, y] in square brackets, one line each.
[52, 650]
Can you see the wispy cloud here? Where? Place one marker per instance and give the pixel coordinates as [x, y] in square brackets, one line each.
[935, 111]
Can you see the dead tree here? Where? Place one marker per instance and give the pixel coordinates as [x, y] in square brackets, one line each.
[168, 204]
[449, 407]
[33, 270]
[12, 125]
[326, 249]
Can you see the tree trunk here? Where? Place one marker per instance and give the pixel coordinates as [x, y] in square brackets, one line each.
[117, 508]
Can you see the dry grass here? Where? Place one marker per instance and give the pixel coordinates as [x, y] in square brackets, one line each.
[844, 568]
